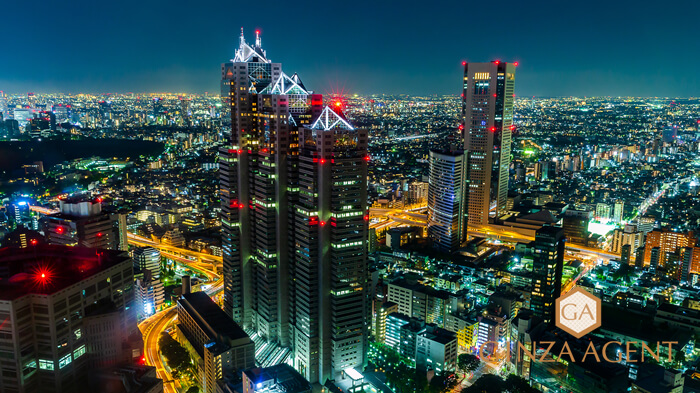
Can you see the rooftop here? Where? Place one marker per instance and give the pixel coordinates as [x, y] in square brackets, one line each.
[46, 269]
[210, 317]
[286, 379]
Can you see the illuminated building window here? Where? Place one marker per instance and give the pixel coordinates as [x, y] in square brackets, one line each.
[46, 364]
[80, 351]
[66, 360]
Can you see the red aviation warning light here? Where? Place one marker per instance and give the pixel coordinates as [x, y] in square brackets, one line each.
[493, 129]
[515, 64]
[366, 217]
[59, 229]
[461, 127]
[323, 160]
[497, 62]
[367, 158]
[464, 63]
[42, 276]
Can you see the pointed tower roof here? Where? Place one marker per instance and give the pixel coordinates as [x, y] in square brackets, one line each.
[246, 53]
[329, 120]
[285, 85]
[298, 81]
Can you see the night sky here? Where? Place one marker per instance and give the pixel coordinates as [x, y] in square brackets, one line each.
[584, 48]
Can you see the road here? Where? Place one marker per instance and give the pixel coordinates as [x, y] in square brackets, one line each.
[204, 264]
[398, 217]
[152, 327]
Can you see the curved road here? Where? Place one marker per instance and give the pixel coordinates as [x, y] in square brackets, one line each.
[152, 327]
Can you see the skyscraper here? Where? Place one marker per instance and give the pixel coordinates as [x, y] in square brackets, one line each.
[547, 265]
[294, 216]
[487, 122]
[445, 200]
[243, 80]
[330, 306]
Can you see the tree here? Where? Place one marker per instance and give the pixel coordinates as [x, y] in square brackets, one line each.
[487, 383]
[176, 355]
[468, 362]
[516, 384]
[679, 358]
[442, 382]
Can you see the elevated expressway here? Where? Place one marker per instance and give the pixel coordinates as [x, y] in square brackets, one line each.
[397, 217]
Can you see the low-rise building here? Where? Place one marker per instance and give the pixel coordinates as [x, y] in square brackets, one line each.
[281, 378]
[214, 340]
[436, 349]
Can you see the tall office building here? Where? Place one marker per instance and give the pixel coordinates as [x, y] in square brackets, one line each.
[330, 306]
[445, 200]
[487, 122]
[258, 184]
[294, 216]
[547, 265]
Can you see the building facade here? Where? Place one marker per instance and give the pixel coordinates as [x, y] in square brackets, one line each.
[50, 298]
[217, 343]
[330, 297]
[487, 123]
[258, 175]
[147, 258]
[547, 267]
[294, 217]
[82, 223]
[445, 200]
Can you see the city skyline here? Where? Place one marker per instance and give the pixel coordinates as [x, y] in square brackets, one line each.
[172, 48]
[275, 235]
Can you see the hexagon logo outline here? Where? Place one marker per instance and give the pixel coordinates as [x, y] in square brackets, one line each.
[561, 322]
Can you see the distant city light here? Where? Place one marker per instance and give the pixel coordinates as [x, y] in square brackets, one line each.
[601, 228]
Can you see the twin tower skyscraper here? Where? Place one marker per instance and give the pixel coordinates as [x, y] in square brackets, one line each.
[294, 216]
